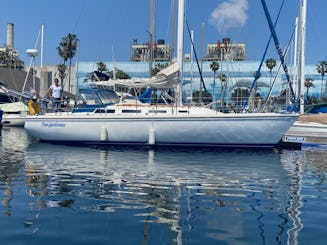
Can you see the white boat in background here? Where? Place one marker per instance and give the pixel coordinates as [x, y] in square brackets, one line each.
[175, 124]
[14, 114]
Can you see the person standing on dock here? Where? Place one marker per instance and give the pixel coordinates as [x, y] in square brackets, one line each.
[55, 94]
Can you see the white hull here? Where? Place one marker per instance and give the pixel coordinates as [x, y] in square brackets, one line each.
[208, 128]
[14, 120]
[14, 114]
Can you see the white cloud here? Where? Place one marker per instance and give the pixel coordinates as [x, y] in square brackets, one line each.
[229, 14]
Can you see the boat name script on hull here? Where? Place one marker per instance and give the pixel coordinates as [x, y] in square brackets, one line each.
[53, 125]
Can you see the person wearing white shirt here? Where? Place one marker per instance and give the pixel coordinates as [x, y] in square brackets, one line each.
[55, 94]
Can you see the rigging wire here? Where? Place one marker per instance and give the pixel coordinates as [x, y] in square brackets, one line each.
[279, 51]
[262, 60]
[279, 69]
[197, 61]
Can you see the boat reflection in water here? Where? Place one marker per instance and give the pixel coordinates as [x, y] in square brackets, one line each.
[171, 195]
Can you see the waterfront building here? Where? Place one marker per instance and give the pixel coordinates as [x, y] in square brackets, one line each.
[235, 71]
[217, 51]
[162, 52]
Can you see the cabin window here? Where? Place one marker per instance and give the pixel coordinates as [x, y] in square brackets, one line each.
[91, 99]
[131, 111]
[109, 97]
[183, 111]
[102, 110]
[157, 111]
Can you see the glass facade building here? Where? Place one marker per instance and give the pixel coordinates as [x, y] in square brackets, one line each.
[236, 72]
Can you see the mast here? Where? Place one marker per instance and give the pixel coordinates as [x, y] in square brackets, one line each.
[151, 37]
[172, 32]
[295, 64]
[202, 40]
[191, 66]
[42, 31]
[303, 17]
[180, 47]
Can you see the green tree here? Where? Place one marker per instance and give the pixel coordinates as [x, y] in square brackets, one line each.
[214, 66]
[104, 72]
[270, 64]
[67, 50]
[62, 72]
[322, 69]
[102, 67]
[120, 74]
[9, 58]
[308, 84]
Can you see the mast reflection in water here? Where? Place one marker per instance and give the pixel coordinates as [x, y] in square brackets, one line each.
[129, 195]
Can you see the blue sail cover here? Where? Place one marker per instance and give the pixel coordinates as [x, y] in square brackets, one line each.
[145, 97]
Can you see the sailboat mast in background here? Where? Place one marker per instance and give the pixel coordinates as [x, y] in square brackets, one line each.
[302, 35]
[152, 16]
[180, 47]
[42, 33]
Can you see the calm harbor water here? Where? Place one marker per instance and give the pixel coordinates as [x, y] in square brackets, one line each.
[125, 195]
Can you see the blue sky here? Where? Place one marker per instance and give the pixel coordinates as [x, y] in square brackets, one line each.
[106, 28]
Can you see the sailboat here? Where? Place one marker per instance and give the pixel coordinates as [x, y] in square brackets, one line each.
[178, 124]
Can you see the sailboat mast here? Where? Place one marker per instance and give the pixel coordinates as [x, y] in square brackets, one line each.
[295, 58]
[303, 17]
[191, 66]
[42, 31]
[180, 47]
[172, 32]
[151, 37]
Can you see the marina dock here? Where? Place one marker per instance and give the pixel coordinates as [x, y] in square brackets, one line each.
[309, 129]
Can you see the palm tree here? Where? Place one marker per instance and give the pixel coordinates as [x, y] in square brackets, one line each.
[120, 74]
[308, 84]
[7, 59]
[62, 72]
[214, 66]
[270, 63]
[67, 50]
[322, 69]
[101, 66]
